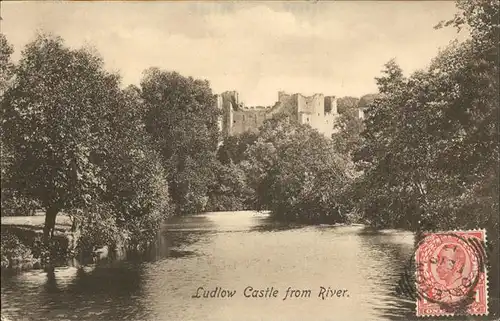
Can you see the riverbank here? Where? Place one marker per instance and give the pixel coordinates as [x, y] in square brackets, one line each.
[22, 244]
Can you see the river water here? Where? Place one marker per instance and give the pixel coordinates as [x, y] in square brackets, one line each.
[228, 251]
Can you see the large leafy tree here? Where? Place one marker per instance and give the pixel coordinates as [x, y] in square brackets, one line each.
[182, 118]
[346, 103]
[78, 141]
[230, 190]
[55, 115]
[430, 146]
[296, 172]
[383, 182]
[136, 188]
[6, 75]
[430, 151]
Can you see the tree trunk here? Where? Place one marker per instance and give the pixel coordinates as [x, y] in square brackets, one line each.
[50, 223]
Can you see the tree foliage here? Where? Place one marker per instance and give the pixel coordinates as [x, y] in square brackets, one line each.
[233, 148]
[77, 139]
[136, 182]
[430, 151]
[348, 127]
[6, 65]
[346, 103]
[182, 118]
[296, 173]
[54, 116]
[12, 201]
[230, 191]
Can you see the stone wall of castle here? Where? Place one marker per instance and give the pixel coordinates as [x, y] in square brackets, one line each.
[317, 111]
[248, 120]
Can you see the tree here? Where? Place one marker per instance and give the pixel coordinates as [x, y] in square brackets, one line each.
[182, 119]
[6, 73]
[430, 151]
[347, 130]
[378, 159]
[296, 173]
[346, 103]
[136, 186]
[233, 148]
[10, 202]
[79, 144]
[78, 140]
[6, 65]
[56, 113]
[230, 190]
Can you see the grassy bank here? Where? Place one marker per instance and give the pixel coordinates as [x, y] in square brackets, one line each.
[22, 244]
[63, 222]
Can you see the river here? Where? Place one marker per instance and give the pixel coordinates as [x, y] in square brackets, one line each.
[231, 251]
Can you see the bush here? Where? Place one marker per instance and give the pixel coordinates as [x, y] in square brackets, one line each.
[17, 205]
[297, 173]
[14, 253]
[230, 191]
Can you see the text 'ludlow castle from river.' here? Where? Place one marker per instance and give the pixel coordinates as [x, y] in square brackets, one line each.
[318, 111]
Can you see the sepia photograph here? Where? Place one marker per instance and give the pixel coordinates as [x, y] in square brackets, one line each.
[250, 160]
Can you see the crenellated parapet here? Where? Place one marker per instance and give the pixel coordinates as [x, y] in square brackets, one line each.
[318, 111]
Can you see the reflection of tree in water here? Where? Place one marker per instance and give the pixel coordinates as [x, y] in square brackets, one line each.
[269, 224]
[113, 289]
[171, 244]
[109, 292]
[392, 256]
[50, 300]
[51, 284]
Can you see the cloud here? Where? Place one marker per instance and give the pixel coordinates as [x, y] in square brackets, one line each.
[258, 21]
[256, 48]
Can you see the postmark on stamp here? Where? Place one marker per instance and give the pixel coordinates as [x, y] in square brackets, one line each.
[450, 276]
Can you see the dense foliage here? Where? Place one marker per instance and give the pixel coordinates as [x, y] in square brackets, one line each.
[347, 103]
[182, 119]
[13, 201]
[77, 141]
[233, 148]
[296, 173]
[429, 150]
[13, 252]
[348, 127]
[231, 190]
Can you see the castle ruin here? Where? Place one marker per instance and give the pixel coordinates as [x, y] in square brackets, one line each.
[318, 111]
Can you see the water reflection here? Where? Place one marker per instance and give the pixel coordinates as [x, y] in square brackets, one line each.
[104, 292]
[233, 251]
[386, 252]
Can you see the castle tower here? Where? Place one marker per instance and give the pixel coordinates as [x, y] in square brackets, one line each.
[230, 103]
[331, 105]
[218, 102]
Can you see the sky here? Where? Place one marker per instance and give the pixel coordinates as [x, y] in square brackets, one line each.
[255, 48]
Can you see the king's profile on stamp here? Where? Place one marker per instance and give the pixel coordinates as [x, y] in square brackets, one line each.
[451, 276]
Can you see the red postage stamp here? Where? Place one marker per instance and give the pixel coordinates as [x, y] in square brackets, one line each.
[451, 274]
